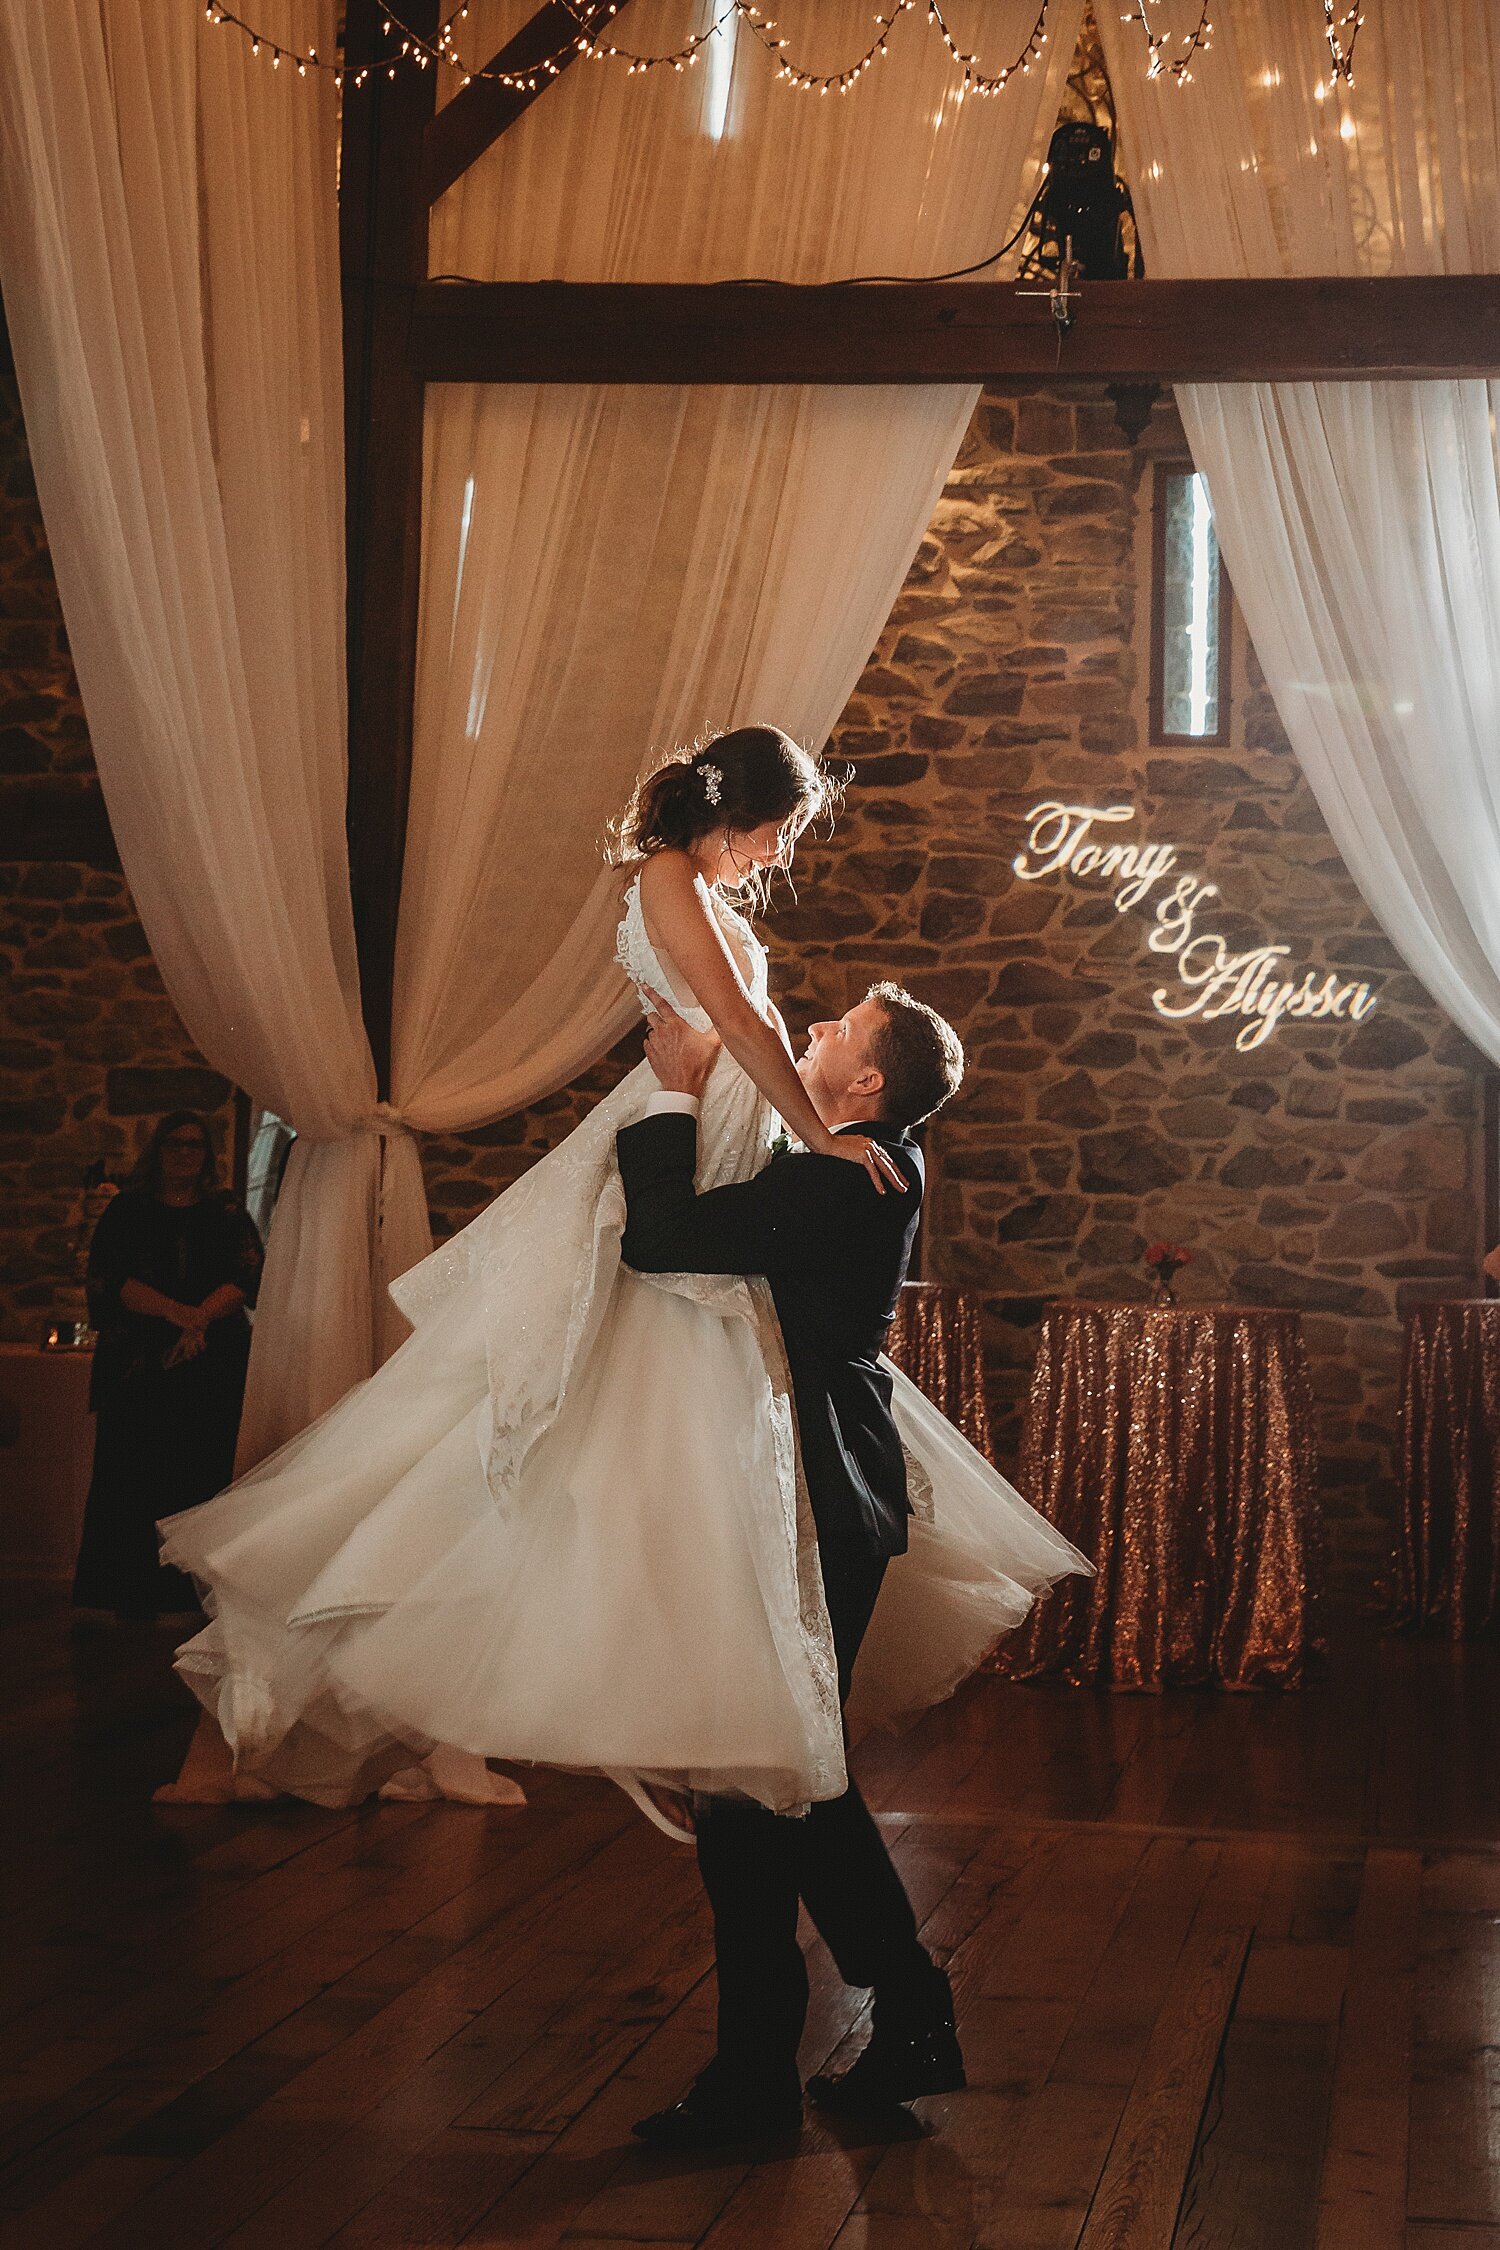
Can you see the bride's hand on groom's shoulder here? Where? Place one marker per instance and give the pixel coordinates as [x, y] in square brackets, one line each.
[681, 1057]
[880, 1168]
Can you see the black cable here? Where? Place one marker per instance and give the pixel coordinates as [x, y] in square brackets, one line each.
[845, 281]
[862, 280]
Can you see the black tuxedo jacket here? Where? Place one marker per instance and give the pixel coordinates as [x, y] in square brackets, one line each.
[835, 1252]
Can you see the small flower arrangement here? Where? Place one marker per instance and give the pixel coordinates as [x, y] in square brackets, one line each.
[1164, 1261]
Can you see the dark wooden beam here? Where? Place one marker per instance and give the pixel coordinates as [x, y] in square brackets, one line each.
[481, 111]
[964, 332]
[383, 250]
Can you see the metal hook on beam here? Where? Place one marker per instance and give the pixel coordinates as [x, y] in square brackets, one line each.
[1064, 295]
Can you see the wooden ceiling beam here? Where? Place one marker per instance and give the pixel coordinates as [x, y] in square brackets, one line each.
[383, 258]
[480, 112]
[1335, 329]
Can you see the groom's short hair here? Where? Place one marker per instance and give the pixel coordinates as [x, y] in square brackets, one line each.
[918, 1054]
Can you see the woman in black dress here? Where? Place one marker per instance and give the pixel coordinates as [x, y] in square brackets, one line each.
[172, 1267]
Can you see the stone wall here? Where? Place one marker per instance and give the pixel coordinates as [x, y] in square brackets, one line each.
[1335, 1169]
[90, 1048]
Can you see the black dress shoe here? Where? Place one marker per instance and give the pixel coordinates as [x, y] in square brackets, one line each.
[712, 2117]
[908, 2055]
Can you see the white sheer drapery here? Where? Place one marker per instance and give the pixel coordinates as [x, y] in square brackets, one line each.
[1360, 521]
[604, 569]
[608, 569]
[169, 256]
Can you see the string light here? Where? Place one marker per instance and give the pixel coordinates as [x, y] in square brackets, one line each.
[1341, 50]
[443, 49]
[592, 16]
[1177, 67]
[822, 82]
[766, 31]
[975, 79]
[636, 65]
[591, 42]
[415, 48]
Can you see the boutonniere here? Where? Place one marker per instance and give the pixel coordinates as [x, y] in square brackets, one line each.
[782, 1144]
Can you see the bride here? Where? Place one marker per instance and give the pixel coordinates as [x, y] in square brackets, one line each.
[563, 1523]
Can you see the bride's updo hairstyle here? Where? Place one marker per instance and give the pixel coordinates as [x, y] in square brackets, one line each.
[731, 782]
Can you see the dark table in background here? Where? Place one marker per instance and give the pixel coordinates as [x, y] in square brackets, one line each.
[1174, 1445]
[46, 1455]
[1448, 1536]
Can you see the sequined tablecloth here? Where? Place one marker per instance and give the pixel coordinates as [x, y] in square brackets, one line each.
[1448, 1537]
[1175, 1446]
[937, 1340]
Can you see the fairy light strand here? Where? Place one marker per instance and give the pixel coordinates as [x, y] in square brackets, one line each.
[766, 31]
[791, 74]
[592, 41]
[425, 52]
[415, 48]
[1340, 49]
[976, 80]
[1176, 67]
[596, 49]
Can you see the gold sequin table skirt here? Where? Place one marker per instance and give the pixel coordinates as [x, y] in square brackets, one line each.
[1175, 1446]
[1448, 1536]
[936, 1340]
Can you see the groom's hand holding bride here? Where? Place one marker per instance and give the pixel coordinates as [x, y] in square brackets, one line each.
[681, 1057]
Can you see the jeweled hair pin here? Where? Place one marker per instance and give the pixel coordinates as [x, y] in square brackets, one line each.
[713, 783]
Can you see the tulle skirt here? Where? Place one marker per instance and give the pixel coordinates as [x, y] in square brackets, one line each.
[639, 1595]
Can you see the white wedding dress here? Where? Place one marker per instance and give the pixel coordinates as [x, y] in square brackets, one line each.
[565, 1522]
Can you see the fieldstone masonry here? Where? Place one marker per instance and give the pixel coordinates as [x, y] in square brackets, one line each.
[1335, 1168]
[91, 1050]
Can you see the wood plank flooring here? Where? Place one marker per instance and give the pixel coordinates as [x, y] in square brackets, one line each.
[1228, 1971]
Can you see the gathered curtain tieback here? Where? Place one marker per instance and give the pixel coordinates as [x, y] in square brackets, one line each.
[390, 1125]
[387, 1122]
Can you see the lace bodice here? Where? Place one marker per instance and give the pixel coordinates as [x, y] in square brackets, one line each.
[645, 967]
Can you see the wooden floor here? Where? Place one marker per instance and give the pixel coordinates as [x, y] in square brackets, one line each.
[1228, 1973]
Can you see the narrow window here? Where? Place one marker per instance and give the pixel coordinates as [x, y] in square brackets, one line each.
[718, 54]
[268, 1143]
[1189, 614]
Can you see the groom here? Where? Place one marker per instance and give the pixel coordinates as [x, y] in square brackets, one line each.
[835, 1252]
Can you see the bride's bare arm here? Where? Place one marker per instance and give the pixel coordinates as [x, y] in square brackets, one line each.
[777, 1022]
[679, 914]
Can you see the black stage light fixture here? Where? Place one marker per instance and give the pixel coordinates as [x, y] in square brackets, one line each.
[1081, 202]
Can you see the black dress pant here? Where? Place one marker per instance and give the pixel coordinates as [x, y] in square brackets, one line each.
[757, 1867]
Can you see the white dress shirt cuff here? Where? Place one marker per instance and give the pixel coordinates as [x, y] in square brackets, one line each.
[672, 1105]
